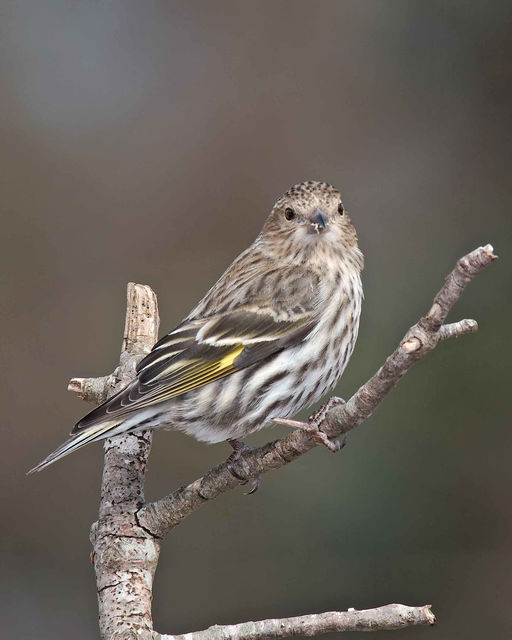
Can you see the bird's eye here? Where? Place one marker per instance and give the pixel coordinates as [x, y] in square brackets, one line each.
[289, 214]
[341, 209]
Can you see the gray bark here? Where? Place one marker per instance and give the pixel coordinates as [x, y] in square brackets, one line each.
[124, 555]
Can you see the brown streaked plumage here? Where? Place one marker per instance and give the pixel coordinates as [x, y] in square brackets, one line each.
[271, 336]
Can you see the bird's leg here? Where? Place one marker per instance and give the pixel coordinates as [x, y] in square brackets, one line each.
[312, 426]
[238, 448]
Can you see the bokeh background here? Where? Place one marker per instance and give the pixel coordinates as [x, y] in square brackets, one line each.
[146, 142]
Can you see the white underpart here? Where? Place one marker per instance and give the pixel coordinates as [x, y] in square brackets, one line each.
[227, 393]
[290, 394]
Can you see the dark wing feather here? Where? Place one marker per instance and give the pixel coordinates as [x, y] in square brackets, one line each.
[207, 347]
[221, 346]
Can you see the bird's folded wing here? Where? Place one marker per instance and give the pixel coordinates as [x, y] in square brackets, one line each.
[201, 351]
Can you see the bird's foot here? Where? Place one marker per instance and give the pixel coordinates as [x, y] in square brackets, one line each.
[240, 447]
[312, 426]
[319, 416]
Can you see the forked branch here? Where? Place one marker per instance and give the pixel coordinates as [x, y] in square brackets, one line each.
[161, 516]
[126, 537]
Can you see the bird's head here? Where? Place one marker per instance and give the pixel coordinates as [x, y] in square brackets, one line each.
[309, 220]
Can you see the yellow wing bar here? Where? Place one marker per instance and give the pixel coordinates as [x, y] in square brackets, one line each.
[194, 376]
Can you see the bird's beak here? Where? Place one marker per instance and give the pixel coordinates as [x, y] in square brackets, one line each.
[318, 222]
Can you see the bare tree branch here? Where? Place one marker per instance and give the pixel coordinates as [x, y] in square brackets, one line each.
[124, 555]
[161, 516]
[456, 329]
[126, 537]
[392, 616]
[95, 390]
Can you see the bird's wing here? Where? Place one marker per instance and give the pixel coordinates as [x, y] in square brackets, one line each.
[200, 351]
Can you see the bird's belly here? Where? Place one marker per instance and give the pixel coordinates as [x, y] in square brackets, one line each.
[248, 400]
[295, 378]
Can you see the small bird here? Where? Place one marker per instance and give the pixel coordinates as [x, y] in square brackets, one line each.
[272, 336]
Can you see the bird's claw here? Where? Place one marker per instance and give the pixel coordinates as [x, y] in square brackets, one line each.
[238, 448]
[255, 485]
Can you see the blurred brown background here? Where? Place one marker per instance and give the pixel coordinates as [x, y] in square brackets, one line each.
[147, 142]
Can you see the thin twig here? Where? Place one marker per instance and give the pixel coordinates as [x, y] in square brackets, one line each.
[456, 329]
[387, 618]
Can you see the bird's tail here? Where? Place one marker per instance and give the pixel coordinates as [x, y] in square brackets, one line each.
[95, 432]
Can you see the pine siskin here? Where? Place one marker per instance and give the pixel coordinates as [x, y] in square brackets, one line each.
[270, 337]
